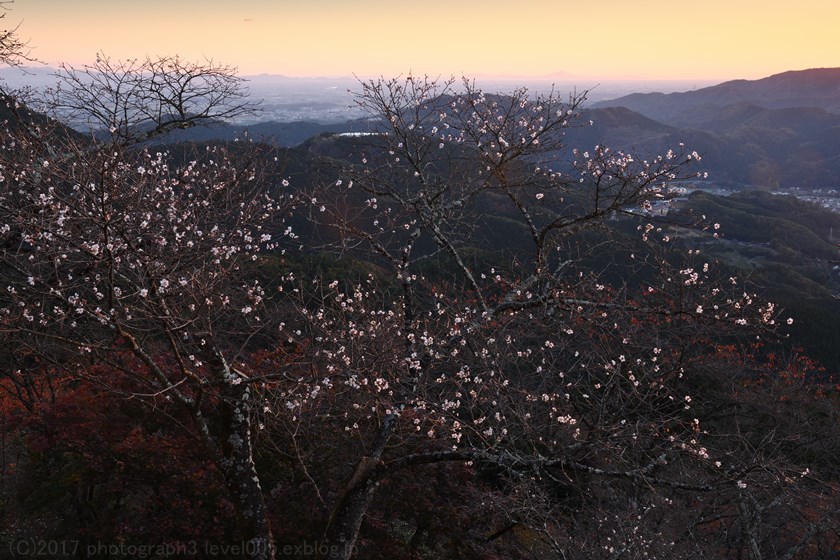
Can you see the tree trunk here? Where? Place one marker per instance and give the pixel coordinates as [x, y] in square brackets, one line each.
[350, 509]
[241, 474]
[748, 516]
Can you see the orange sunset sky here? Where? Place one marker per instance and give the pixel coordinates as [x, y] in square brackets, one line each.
[646, 39]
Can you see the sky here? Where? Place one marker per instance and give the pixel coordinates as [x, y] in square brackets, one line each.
[604, 39]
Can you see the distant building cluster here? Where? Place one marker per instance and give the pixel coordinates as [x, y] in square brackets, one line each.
[827, 197]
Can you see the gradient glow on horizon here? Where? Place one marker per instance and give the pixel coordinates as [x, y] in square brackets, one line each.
[618, 39]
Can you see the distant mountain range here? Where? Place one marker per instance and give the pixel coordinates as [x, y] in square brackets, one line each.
[783, 130]
[818, 87]
[779, 131]
[285, 134]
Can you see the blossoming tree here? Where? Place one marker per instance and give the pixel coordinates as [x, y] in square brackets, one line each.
[120, 256]
[494, 330]
[509, 352]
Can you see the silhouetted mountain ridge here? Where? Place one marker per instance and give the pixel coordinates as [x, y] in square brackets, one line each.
[817, 87]
[741, 144]
[286, 134]
[783, 130]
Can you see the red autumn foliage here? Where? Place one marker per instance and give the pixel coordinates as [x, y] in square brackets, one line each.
[108, 469]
